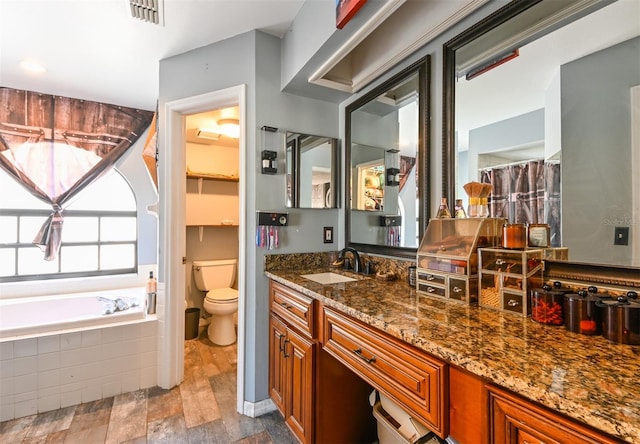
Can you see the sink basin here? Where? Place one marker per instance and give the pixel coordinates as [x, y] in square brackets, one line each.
[327, 278]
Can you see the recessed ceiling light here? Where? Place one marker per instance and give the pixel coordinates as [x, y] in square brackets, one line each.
[32, 66]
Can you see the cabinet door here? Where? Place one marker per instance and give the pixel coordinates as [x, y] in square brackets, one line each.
[299, 356]
[277, 362]
[515, 420]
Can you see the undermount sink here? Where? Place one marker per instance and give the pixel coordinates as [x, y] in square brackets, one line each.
[328, 278]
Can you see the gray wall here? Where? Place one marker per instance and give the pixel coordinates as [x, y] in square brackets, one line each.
[253, 59]
[596, 152]
[132, 166]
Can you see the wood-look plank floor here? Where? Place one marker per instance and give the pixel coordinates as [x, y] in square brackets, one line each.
[200, 410]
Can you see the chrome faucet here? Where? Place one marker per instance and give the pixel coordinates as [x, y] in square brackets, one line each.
[357, 264]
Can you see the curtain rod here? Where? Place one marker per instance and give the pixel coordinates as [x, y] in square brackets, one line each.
[520, 162]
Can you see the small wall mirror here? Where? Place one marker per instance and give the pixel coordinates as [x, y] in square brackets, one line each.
[312, 171]
[387, 173]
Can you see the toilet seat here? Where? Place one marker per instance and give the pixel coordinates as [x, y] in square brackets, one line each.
[222, 295]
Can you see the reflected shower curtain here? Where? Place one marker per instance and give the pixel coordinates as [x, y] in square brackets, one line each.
[527, 193]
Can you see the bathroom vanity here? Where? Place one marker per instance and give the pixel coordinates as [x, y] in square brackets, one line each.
[475, 374]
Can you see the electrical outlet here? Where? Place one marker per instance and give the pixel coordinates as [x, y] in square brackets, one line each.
[621, 236]
[328, 235]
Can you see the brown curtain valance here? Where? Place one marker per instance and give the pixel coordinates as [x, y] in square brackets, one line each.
[56, 146]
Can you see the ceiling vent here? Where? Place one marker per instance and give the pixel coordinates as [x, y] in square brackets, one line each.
[150, 11]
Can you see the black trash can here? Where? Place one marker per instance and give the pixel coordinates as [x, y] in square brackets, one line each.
[191, 323]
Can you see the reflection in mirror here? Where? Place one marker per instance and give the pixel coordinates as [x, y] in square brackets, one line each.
[545, 114]
[385, 143]
[311, 165]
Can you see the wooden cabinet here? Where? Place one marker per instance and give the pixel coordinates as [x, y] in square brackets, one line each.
[468, 401]
[321, 400]
[413, 379]
[291, 359]
[516, 420]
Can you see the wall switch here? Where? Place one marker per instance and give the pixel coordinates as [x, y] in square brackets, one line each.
[328, 235]
[621, 236]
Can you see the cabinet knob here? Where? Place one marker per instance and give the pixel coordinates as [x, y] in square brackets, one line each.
[513, 303]
[457, 289]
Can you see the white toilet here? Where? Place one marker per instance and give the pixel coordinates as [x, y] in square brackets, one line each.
[215, 278]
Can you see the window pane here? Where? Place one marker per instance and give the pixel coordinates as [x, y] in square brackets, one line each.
[29, 226]
[30, 261]
[7, 261]
[16, 196]
[117, 256]
[118, 229]
[8, 229]
[80, 229]
[109, 193]
[81, 258]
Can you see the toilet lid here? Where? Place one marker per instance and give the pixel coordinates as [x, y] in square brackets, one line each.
[222, 294]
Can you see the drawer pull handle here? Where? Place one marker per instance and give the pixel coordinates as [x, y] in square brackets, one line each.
[370, 360]
[431, 277]
[284, 304]
[457, 289]
[431, 290]
[500, 261]
[513, 303]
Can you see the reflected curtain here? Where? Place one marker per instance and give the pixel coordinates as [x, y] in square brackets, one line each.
[57, 146]
[528, 193]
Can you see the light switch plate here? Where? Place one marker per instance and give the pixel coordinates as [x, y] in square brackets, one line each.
[621, 236]
[328, 235]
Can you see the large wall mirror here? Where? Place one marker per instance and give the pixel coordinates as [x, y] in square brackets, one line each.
[542, 99]
[386, 175]
[312, 171]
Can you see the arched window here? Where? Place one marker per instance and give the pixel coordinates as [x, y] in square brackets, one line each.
[99, 236]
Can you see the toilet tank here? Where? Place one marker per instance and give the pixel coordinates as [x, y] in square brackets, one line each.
[214, 274]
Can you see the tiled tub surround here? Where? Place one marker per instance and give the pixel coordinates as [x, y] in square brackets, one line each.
[586, 378]
[60, 370]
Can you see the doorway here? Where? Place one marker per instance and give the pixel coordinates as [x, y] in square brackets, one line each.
[172, 232]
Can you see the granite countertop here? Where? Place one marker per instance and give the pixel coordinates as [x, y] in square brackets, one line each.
[588, 378]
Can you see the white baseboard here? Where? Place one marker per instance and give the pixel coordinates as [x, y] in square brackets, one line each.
[255, 409]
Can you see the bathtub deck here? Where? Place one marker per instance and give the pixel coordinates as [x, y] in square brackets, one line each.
[157, 415]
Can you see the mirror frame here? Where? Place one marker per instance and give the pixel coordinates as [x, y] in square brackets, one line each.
[295, 172]
[423, 68]
[449, 90]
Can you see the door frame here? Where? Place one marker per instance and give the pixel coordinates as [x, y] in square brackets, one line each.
[172, 233]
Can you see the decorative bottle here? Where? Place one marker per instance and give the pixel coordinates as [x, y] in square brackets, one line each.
[459, 210]
[443, 210]
[152, 288]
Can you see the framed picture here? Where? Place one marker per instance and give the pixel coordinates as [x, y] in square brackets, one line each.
[345, 10]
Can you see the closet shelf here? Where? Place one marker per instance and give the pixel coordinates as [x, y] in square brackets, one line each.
[218, 177]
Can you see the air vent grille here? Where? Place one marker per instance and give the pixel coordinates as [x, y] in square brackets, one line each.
[147, 10]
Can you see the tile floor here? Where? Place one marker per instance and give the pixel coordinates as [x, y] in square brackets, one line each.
[201, 410]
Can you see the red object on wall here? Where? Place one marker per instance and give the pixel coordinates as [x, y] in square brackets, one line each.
[346, 9]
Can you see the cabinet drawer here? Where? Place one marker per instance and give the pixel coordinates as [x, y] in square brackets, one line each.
[431, 289]
[410, 377]
[516, 420]
[431, 278]
[294, 308]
